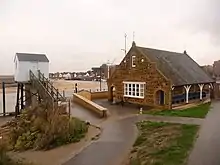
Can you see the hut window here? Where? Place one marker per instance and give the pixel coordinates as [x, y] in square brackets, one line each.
[134, 89]
[133, 61]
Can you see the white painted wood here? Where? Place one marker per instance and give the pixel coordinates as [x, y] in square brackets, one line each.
[133, 82]
[201, 88]
[187, 88]
[108, 71]
[138, 92]
[22, 68]
[211, 86]
[132, 61]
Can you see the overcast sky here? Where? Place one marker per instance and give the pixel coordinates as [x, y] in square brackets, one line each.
[79, 34]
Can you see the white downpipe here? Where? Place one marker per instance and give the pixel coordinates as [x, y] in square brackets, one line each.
[108, 71]
[187, 88]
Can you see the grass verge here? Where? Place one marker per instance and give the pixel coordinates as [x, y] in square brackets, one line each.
[199, 111]
[162, 143]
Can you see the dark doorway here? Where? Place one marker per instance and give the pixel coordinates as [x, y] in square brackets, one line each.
[112, 94]
[160, 97]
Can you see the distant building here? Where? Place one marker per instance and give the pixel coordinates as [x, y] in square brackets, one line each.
[216, 68]
[208, 69]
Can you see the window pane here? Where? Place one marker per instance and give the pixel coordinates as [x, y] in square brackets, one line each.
[137, 89]
[133, 89]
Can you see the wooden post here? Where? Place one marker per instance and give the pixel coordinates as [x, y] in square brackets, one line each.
[17, 102]
[100, 78]
[57, 94]
[64, 93]
[3, 91]
[76, 90]
[22, 96]
[69, 108]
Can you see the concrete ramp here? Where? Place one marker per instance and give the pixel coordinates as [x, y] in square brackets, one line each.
[90, 105]
[84, 114]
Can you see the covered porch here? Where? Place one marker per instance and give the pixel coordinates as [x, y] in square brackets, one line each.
[191, 93]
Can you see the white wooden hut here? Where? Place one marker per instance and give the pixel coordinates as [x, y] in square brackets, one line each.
[24, 62]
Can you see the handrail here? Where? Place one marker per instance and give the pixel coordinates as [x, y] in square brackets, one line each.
[33, 77]
[42, 90]
[50, 87]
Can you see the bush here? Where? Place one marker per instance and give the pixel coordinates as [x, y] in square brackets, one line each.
[41, 128]
[6, 160]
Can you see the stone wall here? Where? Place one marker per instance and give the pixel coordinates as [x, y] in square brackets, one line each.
[145, 71]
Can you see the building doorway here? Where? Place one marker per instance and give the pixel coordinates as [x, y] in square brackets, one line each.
[160, 97]
[111, 98]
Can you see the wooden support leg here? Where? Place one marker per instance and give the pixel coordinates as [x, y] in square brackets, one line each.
[22, 96]
[17, 101]
[3, 97]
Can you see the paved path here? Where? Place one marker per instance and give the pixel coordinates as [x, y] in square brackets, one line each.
[117, 139]
[207, 147]
[110, 149]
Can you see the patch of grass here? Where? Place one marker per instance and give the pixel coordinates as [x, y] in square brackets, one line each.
[162, 143]
[199, 111]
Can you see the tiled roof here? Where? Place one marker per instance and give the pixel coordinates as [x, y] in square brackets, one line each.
[32, 57]
[180, 68]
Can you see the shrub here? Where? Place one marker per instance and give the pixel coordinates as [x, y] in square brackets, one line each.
[41, 128]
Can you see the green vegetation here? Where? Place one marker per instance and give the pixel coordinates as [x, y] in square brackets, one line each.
[44, 129]
[199, 111]
[6, 160]
[162, 143]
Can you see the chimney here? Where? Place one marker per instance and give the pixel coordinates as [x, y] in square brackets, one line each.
[184, 52]
[133, 44]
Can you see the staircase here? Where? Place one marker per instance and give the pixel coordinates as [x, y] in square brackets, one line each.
[46, 90]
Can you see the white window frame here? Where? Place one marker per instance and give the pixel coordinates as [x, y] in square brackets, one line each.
[134, 89]
[132, 61]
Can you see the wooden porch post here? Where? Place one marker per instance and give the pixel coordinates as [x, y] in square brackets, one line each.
[201, 88]
[187, 88]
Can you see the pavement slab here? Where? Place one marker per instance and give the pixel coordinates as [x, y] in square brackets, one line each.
[206, 150]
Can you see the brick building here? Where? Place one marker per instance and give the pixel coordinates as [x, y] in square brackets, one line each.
[158, 78]
[216, 68]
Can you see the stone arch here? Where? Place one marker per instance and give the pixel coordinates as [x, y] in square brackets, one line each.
[111, 93]
[160, 97]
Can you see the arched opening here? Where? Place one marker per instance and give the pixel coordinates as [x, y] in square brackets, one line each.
[160, 97]
[112, 89]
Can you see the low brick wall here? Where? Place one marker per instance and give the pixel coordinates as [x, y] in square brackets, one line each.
[99, 95]
[94, 95]
[101, 111]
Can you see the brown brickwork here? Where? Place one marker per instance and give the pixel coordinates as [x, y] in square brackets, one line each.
[145, 71]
